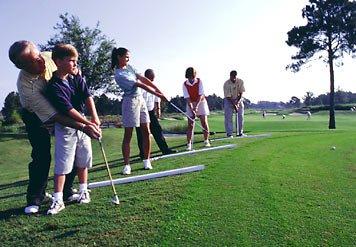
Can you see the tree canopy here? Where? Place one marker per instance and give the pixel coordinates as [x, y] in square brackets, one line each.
[94, 50]
[330, 32]
[11, 108]
[330, 28]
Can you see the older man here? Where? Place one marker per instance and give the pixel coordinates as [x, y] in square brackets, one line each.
[35, 70]
[154, 110]
[233, 102]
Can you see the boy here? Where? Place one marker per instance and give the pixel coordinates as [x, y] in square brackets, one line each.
[69, 94]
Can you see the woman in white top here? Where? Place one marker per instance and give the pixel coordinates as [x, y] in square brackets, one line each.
[197, 105]
[134, 109]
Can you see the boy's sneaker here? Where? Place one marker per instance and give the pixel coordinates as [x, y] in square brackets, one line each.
[84, 197]
[207, 143]
[126, 170]
[189, 147]
[147, 165]
[56, 207]
[32, 209]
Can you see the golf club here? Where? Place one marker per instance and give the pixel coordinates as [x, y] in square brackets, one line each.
[115, 198]
[178, 109]
[236, 123]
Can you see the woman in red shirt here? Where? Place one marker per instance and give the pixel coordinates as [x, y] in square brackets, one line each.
[197, 105]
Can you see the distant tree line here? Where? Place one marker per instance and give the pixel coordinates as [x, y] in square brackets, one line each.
[108, 106]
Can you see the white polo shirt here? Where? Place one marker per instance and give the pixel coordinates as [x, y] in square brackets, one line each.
[150, 100]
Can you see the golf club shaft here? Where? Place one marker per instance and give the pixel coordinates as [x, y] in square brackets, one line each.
[177, 108]
[236, 123]
[107, 166]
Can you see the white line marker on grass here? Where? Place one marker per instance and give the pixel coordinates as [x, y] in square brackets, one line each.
[148, 176]
[194, 151]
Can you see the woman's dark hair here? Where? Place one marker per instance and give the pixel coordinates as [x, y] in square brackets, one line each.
[190, 72]
[115, 53]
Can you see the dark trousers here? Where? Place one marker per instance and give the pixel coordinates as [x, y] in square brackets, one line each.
[38, 168]
[156, 131]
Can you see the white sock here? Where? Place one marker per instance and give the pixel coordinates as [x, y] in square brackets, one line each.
[83, 187]
[58, 196]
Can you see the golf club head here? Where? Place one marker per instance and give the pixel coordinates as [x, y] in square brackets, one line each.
[115, 200]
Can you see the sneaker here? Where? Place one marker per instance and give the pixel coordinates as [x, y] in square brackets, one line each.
[84, 197]
[207, 143]
[230, 136]
[147, 165]
[126, 170]
[241, 135]
[56, 207]
[189, 147]
[32, 209]
[72, 198]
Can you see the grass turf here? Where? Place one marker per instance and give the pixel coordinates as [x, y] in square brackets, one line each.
[288, 189]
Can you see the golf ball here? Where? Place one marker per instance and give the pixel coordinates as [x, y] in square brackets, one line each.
[333, 148]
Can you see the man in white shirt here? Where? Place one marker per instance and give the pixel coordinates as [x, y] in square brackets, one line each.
[233, 102]
[154, 110]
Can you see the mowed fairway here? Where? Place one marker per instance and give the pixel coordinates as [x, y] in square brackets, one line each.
[288, 189]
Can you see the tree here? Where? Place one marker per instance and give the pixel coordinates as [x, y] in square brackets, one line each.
[178, 101]
[94, 50]
[11, 109]
[107, 106]
[308, 97]
[330, 32]
[215, 102]
[294, 102]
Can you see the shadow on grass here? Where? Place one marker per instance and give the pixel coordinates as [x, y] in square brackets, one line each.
[66, 234]
[11, 136]
[98, 167]
[13, 212]
[12, 196]
[13, 184]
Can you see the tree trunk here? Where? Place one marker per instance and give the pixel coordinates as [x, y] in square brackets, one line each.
[332, 90]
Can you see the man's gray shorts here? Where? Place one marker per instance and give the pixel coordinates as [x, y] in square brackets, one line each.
[134, 111]
[73, 147]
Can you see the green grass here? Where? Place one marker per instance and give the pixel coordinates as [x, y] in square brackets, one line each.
[290, 189]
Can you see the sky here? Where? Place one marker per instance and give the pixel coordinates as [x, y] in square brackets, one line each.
[214, 37]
